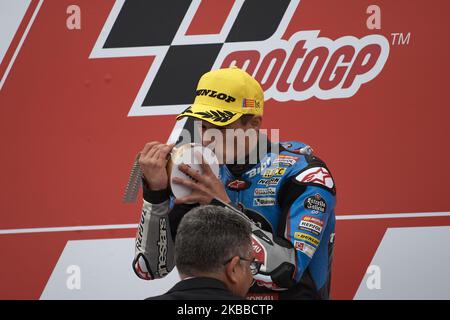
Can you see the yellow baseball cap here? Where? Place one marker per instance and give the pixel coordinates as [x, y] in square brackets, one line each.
[224, 95]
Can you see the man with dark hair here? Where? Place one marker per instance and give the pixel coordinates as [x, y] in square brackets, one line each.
[213, 255]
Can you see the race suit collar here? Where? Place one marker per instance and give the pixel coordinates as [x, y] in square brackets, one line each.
[238, 169]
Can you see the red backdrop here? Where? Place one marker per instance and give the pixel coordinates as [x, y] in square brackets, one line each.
[68, 144]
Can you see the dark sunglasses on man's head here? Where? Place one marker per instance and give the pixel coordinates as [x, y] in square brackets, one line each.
[255, 265]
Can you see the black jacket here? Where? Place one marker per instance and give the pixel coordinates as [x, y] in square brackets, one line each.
[198, 289]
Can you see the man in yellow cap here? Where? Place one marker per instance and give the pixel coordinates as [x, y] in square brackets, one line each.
[223, 97]
[287, 192]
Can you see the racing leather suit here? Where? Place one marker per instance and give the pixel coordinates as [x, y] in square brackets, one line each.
[289, 194]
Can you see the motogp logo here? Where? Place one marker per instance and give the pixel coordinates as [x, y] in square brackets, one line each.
[249, 34]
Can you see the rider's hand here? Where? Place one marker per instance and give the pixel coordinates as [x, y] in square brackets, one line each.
[153, 163]
[205, 185]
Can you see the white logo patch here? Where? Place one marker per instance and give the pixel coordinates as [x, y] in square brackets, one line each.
[305, 248]
[265, 191]
[317, 175]
[315, 228]
[258, 202]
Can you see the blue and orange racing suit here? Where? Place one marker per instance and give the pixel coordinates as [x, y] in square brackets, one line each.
[291, 194]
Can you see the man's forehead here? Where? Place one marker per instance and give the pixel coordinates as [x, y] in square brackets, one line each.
[209, 125]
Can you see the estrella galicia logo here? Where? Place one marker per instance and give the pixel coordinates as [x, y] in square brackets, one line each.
[316, 204]
[250, 37]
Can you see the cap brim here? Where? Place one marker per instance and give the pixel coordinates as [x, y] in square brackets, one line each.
[216, 116]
